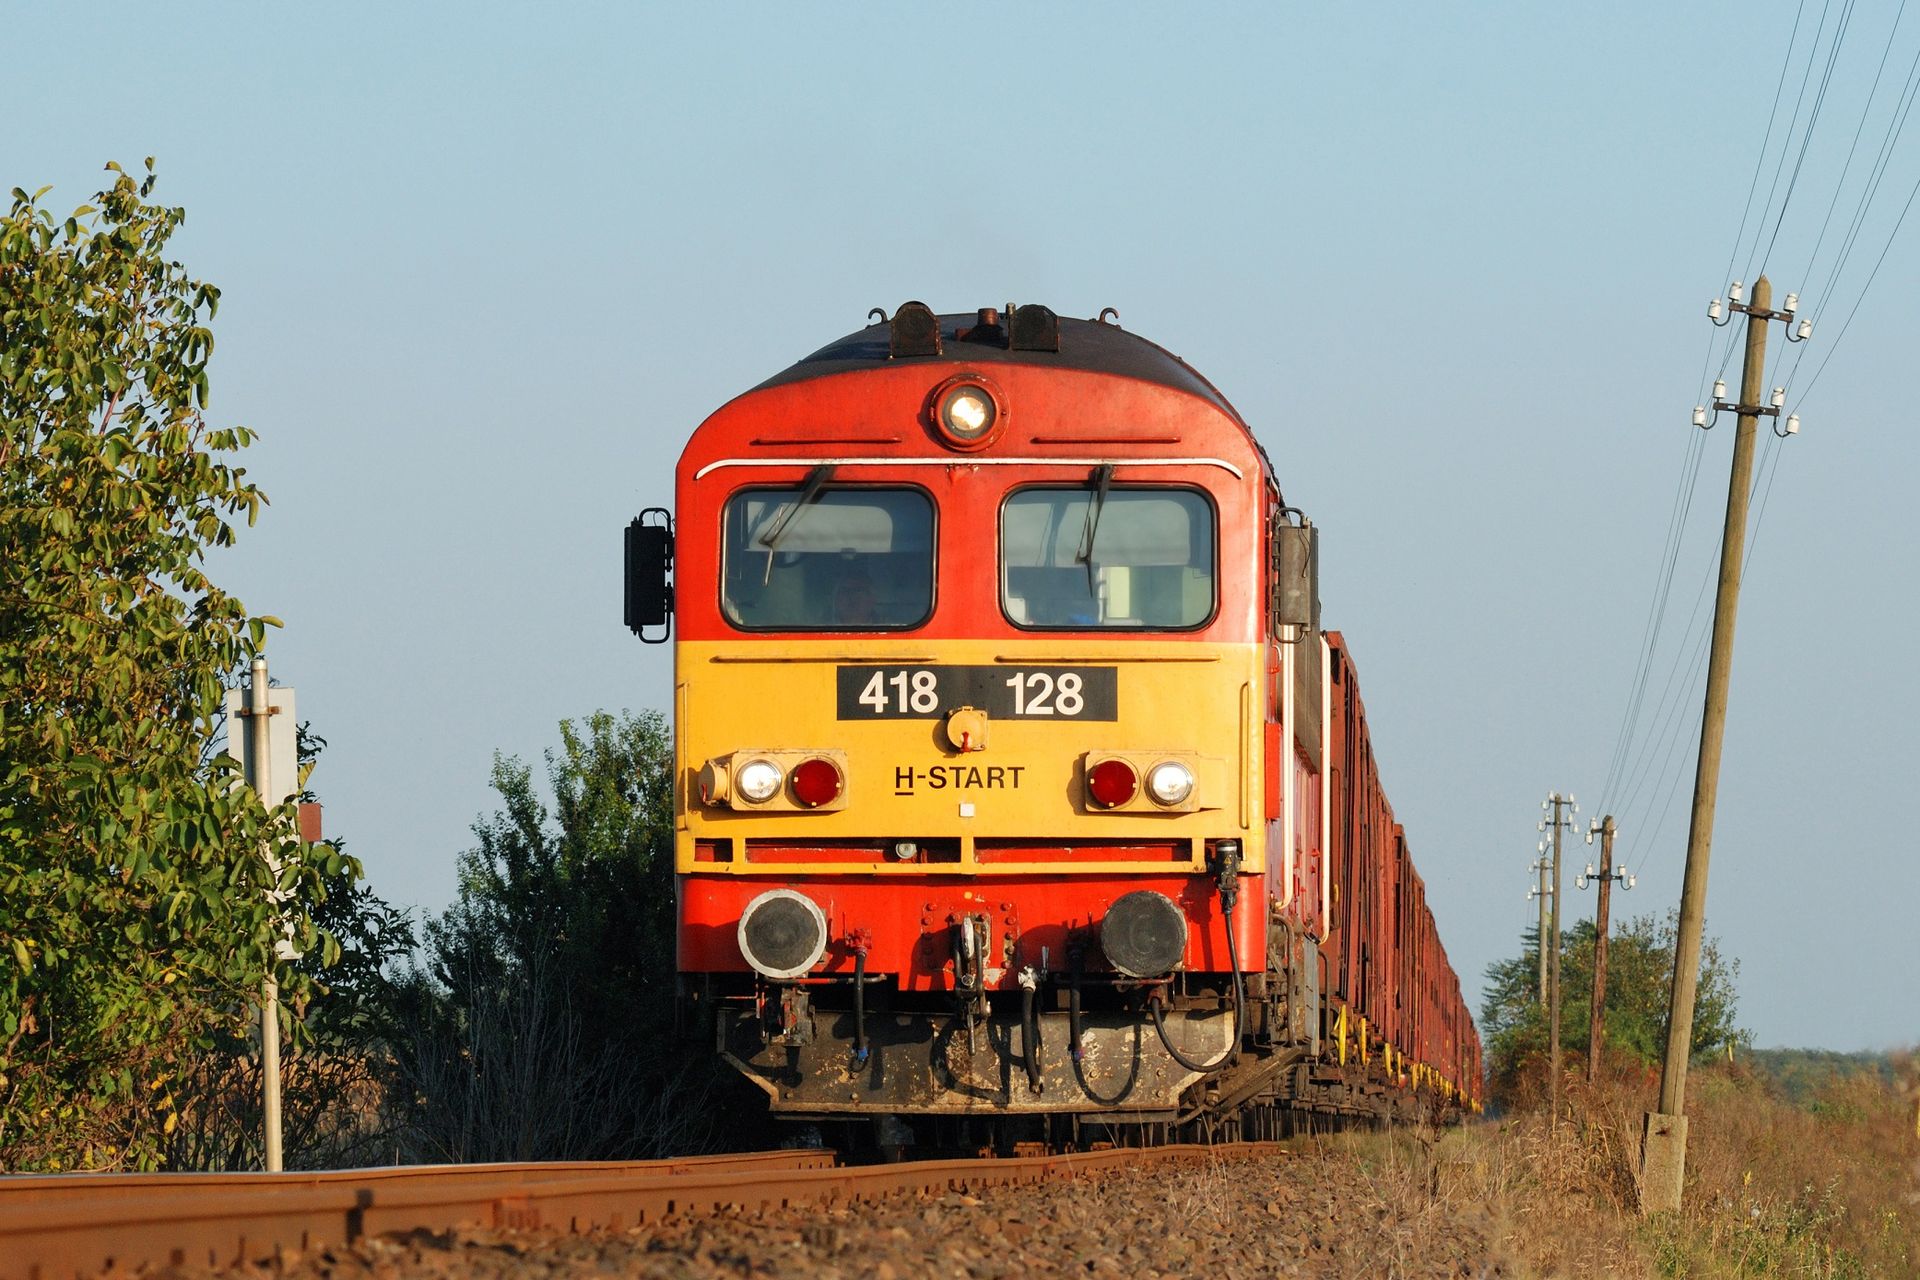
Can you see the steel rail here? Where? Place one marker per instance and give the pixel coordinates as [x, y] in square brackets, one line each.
[71, 1227]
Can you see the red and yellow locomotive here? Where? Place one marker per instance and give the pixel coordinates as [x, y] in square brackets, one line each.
[1015, 777]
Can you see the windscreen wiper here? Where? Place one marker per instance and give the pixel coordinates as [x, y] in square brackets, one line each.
[1101, 480]
[815, 480]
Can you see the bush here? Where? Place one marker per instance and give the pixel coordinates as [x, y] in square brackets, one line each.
[538, 1025]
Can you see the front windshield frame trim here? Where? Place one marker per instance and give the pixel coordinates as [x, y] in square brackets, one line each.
[1001, 566]
[933, 554]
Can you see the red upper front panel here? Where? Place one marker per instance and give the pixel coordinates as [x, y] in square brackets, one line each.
[1057, 427]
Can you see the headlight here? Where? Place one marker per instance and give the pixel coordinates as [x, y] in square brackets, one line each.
[782, 933]
[1144, 934]
[1170, 782]
[967, 412]
[758, 780]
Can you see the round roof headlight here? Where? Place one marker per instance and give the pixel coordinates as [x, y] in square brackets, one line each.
[758, 780]
[967, 412]
[1170, 782]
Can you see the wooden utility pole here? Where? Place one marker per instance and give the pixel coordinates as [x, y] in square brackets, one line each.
[1553, 986]
[1663, 1155]
[1555, 803]
[1542, 865]
[1607, 876]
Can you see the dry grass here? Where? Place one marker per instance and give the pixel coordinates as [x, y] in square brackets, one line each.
[1548, 1216]
[1773, 1189]
[1415, 1209]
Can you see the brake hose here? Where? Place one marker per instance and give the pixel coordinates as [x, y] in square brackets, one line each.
[1073, 1033]
[1227, 897]
[1077, 960]
[1030, 1028]
[860, 1006]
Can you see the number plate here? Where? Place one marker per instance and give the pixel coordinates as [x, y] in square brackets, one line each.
[1005, 693]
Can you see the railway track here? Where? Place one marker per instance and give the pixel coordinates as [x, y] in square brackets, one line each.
[74, 1226]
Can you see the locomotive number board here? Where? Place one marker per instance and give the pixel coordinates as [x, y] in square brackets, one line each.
[1004, 693]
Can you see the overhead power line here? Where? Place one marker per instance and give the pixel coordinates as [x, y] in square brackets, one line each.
[1853, 147]
[1766, 142]
[1642, 771]
[1813, 119]
[1780, 166]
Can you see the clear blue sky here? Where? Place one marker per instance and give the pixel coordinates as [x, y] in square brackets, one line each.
[486, 267]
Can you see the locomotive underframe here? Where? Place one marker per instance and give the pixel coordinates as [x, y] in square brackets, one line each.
[925, 1063]
[928, 1059]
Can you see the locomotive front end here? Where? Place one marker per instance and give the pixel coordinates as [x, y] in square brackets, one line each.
[973, 713]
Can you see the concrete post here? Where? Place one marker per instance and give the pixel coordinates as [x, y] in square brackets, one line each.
[259, 712]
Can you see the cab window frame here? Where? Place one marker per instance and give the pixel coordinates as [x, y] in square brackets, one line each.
[795, 490]
[1001, 566]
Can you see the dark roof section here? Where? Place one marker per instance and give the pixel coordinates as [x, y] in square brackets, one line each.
[1086, 345]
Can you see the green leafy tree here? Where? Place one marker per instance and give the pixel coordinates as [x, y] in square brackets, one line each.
[1639, 982]
[540, 1020]
[134, 917]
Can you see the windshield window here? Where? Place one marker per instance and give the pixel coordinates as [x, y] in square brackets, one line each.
[848, 560]
[1140, 558]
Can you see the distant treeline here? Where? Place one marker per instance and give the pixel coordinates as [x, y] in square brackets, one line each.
[1803, 1076]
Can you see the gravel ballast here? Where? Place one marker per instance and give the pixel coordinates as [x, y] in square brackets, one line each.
[1322, 1210]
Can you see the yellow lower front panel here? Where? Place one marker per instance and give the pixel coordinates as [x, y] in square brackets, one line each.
[1027, 713]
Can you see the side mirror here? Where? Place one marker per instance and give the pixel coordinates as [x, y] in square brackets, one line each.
[649, 564]
[1297, 591]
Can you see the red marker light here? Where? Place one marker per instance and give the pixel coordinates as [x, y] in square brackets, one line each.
[815, 782]
[1112, 783]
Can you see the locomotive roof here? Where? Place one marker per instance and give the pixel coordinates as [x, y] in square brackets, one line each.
[1090, 346]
